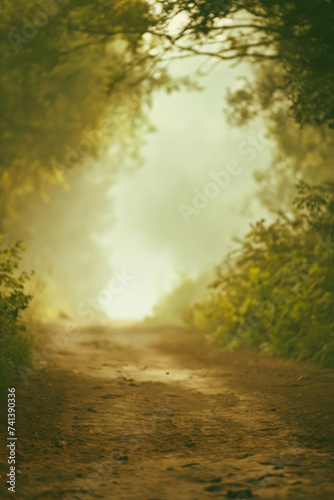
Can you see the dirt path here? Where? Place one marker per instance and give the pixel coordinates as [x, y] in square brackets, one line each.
[154, 414]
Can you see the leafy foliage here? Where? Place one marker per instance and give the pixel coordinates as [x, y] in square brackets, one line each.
[15, 343]
[62, 80]
[297, 35]
[276, 292]
[297, 152]
[175, 306]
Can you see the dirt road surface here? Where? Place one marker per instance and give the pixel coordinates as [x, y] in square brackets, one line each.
[144, 413]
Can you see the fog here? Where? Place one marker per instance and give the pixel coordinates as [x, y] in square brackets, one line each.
[119, 233]
[155, 236]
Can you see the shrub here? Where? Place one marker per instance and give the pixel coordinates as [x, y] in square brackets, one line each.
[15, 342]
[276, 292]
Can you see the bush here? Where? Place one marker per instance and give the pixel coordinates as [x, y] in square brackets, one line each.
[175, 307]
[15, 342]
[276, 292]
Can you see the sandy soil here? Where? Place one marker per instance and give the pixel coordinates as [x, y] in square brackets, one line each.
[155, 414]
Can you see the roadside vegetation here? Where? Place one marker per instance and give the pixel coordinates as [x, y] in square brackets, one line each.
[175, 307]
[275, 293]
[15, 341]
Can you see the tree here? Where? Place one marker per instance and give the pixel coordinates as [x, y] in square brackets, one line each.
[58, 86]
[68, 93]
[297, 153]
[297, 35]
[67, 66]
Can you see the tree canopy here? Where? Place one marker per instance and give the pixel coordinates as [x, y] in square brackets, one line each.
[298, 35]
[69, 65]
[63, 90]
